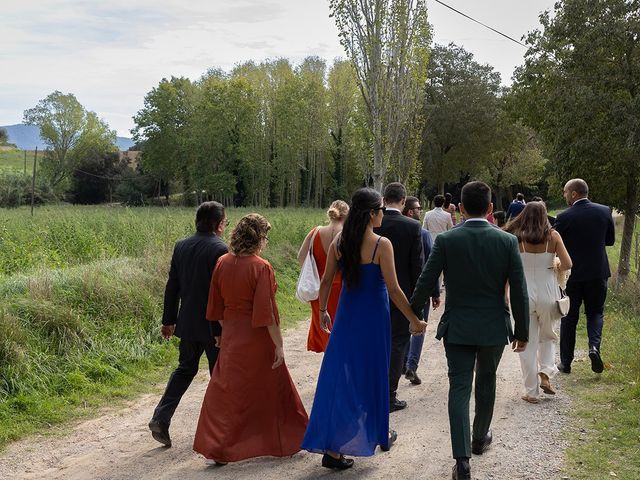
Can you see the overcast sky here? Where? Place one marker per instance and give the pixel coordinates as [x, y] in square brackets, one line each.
[110, 54]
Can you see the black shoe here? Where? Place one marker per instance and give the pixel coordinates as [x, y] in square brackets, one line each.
[393, 436]
[461, 470]
[160, 432]
[564, 368]
[478, 447]
[338, 463]
[413, 377]
[395, 405]
[596, 361]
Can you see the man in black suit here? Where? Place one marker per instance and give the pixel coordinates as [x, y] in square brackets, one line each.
[586, 228]
[406, 237]
[185, 305]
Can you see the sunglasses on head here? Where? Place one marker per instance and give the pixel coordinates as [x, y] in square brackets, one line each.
[384, 209]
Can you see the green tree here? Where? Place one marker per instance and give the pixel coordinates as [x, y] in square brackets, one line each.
[70, 132]
[514, 157]
[580, 87]
[162, 128]
[387, 41]
[461, 101]
[4, 136]
[348, 148]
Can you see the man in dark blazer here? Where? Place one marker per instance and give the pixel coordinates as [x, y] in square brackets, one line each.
[406, 237]
[478, 260]
[185, 305]
[586, 228]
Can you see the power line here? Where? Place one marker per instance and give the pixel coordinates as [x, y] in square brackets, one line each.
[483, 24]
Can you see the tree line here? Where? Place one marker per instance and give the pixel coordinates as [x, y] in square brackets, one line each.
[275, 134]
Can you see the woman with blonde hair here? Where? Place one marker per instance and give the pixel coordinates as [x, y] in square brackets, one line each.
[543, 252]
[317, 243]
[251, 407]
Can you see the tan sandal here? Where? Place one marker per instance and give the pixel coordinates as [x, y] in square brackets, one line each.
[545, 384]
[529, 399]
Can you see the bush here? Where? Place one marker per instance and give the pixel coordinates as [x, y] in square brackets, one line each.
[15, 190]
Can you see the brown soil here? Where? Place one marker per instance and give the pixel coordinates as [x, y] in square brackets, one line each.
[117, 445]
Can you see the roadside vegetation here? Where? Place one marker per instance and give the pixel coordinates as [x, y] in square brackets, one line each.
[605, 414]
[81, 299]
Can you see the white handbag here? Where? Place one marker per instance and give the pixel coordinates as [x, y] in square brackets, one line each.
[308, 287]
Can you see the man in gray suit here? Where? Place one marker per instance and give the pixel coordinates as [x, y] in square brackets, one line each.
[477, 260]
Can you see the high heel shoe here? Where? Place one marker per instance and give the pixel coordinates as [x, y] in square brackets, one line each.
[341, 463]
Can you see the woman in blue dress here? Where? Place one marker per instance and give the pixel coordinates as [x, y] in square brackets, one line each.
[350, 413]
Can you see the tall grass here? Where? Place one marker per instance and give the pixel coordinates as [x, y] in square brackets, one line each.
[81, 300]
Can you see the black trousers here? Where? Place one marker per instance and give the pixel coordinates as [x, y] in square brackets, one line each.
[181, 378]
[400, 337]
[593, 294]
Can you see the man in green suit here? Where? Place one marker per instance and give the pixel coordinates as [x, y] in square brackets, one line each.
[478, 261]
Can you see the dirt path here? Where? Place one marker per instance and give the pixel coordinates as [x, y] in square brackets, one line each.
[117, 445]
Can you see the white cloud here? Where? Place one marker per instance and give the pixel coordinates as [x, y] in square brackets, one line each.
[110, 54]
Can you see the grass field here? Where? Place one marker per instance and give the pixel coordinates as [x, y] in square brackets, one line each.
[12, 161]
[605, 415]
[80, 304]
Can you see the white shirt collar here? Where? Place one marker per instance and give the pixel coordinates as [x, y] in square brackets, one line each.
[580, 200]
[392, 209]
[477, 220]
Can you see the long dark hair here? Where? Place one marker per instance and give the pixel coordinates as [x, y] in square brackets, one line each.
[362, 202]
[531, 225]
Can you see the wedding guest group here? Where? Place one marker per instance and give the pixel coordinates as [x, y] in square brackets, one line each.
[379, 274]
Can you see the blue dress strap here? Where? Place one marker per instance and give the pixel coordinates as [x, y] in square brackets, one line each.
[375, 250]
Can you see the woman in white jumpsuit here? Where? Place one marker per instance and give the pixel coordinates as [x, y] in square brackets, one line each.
[543, 253]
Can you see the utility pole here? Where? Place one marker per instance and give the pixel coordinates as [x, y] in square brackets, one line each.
[33, 180]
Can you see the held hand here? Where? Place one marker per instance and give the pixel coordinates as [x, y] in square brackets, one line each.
[167, 331]
[518, 346]
[417, 327]
[279, 358]
[325, 322]
[435, 302]
[217, 339]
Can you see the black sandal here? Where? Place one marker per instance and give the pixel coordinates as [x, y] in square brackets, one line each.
[341, 463]
[393, 436]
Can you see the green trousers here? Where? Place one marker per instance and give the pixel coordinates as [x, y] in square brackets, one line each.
[461, 360]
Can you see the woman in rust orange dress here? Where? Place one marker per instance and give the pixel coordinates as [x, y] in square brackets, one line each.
[322, 238]
[251, 407]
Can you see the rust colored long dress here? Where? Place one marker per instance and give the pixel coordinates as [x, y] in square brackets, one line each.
[318, 339]
[249, 409]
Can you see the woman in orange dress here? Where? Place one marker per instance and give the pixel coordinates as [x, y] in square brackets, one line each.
[251, 407]
[322, 238]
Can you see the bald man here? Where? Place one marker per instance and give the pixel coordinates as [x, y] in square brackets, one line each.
[586, 229]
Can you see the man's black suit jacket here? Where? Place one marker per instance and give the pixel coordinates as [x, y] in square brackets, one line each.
[405, 235]
[187, 290]
[586, 228]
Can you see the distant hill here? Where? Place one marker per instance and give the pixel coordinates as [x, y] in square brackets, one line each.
[27, 137]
